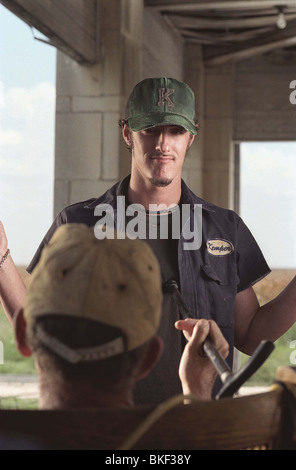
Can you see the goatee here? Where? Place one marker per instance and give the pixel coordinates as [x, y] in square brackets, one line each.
[160, 182]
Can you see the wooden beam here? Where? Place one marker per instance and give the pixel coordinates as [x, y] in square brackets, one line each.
[183, 22]
[278, 39]
[221, 37]
[199, 5]
[227, 424]
[70, 25]
[250, 52]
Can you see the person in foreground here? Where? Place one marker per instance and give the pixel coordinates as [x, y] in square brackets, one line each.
[90, 318]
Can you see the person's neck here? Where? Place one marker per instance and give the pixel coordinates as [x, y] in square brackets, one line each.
[143, 192]
[61, 395]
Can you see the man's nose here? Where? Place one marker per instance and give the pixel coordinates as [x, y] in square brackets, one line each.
[163, 141]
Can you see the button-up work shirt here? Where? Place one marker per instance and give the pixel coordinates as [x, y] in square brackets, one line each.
[227, 261]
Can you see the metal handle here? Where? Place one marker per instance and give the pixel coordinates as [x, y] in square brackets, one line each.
[217, 360]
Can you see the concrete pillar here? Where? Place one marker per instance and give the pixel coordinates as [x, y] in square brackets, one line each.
[194, 77]
[90, 155]
[218, 148]
[163, 47]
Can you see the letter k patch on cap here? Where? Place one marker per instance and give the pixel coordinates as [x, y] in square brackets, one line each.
[164, 96]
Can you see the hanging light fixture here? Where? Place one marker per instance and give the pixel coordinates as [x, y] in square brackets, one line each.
[281, 20]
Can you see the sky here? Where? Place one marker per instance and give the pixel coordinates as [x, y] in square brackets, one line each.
[268, 199]
[27, 115]
[27, 108]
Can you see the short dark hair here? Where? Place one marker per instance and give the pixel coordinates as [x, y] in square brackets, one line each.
[84, 333]
[122, 122]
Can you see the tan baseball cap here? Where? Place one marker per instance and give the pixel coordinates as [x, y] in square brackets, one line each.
[112, 281]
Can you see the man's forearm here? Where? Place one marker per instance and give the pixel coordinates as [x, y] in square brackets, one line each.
[268, 322]
[278, 315]
[12, 288]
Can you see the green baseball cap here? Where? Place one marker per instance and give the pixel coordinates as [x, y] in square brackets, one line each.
[161, 101]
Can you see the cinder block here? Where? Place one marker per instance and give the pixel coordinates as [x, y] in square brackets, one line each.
[96, 104]
[76, 79]
[217, 138]
[78, 146]
[82, 190]
[111, 146]
[63, 104]
[218, 95]
[61, 195]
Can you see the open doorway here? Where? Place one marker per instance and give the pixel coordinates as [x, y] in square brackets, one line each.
[266, 200]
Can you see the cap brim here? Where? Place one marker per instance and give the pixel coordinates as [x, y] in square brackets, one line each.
[147, 121]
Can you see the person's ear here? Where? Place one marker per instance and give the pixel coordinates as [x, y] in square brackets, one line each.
[192, 137]
[151, 358]
[20, 334]
[191, 140]
[126, 133]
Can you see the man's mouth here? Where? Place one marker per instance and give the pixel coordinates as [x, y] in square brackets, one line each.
[162, 158]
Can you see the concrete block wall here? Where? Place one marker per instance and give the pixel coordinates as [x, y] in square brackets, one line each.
[90, 101]
[218, 148]
[194, 76]
[80, 164]
[163, 48]
[244, 101]
[262, 109]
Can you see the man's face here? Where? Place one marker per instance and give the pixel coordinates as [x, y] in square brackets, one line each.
[158, 153]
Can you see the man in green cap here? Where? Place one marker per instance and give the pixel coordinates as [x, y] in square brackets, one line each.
[206, 250]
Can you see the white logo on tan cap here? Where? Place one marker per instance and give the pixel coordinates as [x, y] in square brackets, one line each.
[164, 96]
[219, 247]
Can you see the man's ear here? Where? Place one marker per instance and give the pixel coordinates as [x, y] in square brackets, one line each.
[153, 353]
[191, 140]
[20, 334]
[126, 133]
[192, 137]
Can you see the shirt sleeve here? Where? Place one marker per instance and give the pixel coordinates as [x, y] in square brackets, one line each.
[56, 223]
[251, 263]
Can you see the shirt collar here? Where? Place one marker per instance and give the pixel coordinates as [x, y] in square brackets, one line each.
[120, 189]
[188, 197]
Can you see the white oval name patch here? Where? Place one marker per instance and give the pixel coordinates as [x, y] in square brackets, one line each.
[219, 247]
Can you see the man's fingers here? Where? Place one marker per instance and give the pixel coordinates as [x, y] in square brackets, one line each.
[218, 339]
[199, 334]
[201, 330]
[190, 323]
[192, 327]
[186, 325]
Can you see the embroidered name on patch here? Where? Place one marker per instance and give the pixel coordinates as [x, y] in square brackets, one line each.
[219, 247]
[164, 96]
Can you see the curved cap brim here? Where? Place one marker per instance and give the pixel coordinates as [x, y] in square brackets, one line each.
[140, 123]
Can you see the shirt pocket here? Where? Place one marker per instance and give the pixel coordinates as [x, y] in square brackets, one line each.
[221, 282]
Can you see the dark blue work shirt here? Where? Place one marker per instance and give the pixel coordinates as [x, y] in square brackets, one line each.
[227, 261]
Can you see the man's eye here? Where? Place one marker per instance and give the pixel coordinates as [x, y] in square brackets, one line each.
[178, 130]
